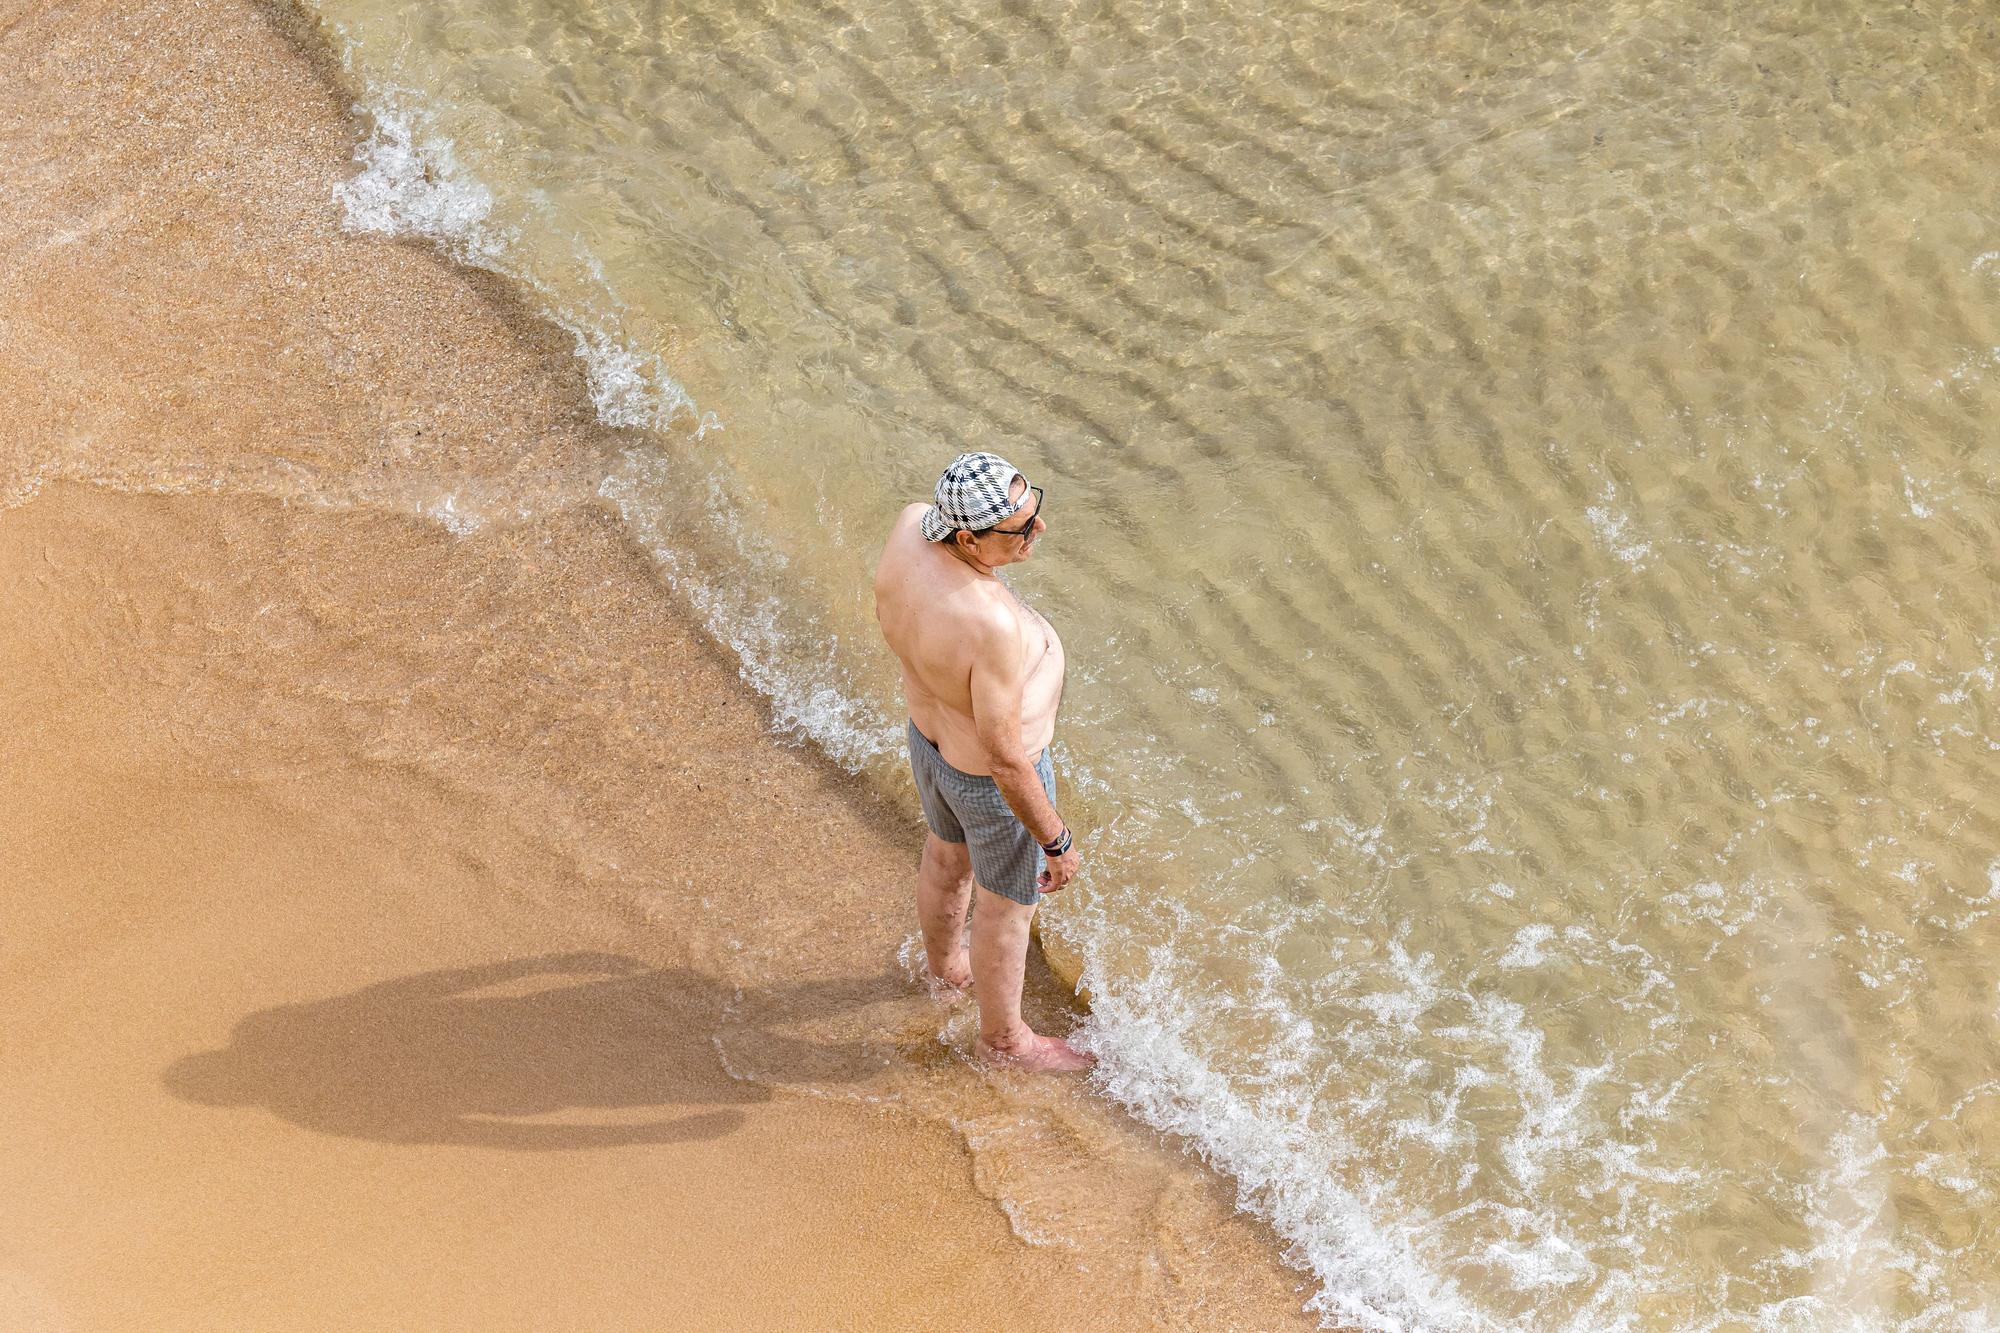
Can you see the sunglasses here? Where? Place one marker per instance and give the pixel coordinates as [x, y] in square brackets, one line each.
[1027, 527]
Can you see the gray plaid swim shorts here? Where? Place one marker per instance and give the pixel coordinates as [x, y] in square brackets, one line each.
[968, 808]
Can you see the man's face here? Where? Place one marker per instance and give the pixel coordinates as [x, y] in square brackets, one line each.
[1014, 539]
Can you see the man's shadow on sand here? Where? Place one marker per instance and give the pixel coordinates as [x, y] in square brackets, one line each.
[602, 1040]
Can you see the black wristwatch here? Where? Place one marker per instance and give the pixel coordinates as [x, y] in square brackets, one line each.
[1056, 848]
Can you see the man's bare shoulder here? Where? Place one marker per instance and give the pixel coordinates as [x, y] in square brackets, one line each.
[984, 615]
[905, 538]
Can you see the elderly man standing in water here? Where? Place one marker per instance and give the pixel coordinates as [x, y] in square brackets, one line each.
[983, 674]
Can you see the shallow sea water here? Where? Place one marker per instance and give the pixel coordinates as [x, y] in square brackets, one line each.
[1522, 518]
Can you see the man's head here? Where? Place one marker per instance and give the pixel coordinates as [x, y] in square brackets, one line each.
[985, 511]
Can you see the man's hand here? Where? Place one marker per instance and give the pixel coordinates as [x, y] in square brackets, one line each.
[1059, 870]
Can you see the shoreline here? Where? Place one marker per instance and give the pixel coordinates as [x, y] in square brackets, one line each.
[424, 927]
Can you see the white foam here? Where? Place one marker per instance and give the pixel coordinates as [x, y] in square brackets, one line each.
[450, 510]
[1850, 1219]
[1310, 1127]
[413, 182]
[810, 698]
[1527, 949]
[1371, 1272]
[1333, 1201]
[1920, 496]
[1615, 529]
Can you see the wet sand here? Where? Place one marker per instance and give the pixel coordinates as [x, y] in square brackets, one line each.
[410, 921]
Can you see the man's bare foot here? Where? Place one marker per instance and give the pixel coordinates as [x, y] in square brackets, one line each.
[1036, 1053]
[953, 982]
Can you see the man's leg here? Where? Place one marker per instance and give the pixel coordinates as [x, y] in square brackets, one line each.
[944, 894]
[999, 961]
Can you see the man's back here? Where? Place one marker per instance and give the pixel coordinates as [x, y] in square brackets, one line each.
[933, 608]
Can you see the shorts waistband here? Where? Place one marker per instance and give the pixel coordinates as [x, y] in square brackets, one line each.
[937, 756]
[947, 765]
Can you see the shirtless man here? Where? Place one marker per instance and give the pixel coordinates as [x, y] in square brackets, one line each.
[983, 674]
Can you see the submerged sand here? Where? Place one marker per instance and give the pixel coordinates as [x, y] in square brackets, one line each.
[411, 922]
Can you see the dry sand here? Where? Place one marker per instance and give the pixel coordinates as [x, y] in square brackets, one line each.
[404, 929]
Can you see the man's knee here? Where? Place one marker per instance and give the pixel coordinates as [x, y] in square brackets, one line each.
[948, 860]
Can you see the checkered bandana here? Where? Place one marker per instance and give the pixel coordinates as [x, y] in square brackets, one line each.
[972, 494]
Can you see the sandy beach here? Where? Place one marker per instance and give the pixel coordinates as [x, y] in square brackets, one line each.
[411, 921]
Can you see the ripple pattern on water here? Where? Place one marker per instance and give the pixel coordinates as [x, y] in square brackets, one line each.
[1522, 531]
